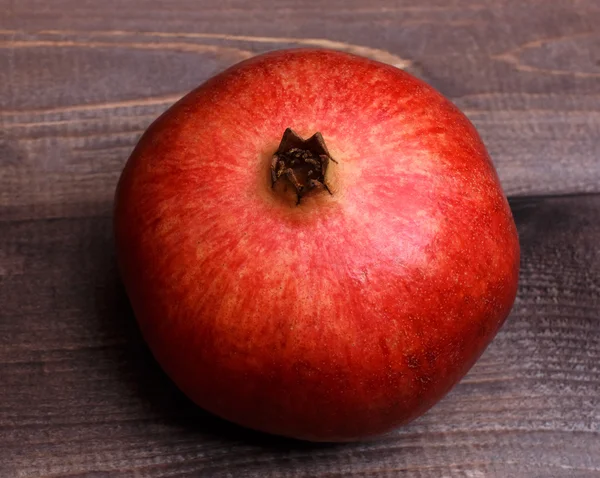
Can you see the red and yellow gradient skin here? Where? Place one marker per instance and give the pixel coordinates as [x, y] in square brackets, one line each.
[345, 316]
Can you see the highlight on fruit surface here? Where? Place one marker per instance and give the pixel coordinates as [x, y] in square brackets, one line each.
[315, 245]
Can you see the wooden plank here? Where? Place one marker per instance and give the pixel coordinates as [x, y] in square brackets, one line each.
[82, 396]
[77, 90]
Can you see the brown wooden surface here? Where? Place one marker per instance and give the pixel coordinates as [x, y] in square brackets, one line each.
[80, 80]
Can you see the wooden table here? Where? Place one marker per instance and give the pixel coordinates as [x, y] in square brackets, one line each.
[80, 395]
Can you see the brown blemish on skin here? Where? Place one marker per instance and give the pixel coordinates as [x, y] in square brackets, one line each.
[412, 362]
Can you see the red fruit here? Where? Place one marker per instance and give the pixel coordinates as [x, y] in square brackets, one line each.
[345, 315]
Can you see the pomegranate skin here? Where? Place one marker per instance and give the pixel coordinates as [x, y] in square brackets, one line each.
[342, 317]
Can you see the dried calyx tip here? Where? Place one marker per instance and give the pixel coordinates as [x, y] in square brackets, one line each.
[303, 162]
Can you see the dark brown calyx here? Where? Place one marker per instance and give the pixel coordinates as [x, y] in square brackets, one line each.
[302, 162]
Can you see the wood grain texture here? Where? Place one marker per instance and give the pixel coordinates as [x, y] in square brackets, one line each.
[80, 395]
